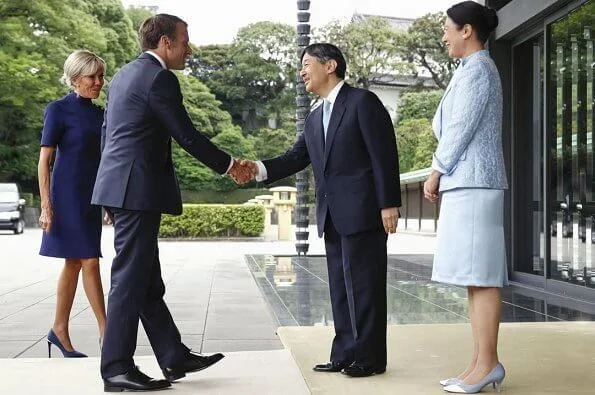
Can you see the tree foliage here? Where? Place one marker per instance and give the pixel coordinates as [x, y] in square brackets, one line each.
[369, 46]
[253, 76]
[138, 15]
[423, 48]
[36, 37]
[208, 117]
[269, 143]
[415, 138]
[417, 105]
[416, 143]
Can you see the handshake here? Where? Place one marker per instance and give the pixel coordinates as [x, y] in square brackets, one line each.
[243, 171]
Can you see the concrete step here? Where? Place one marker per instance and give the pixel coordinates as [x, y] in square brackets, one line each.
[251, 372]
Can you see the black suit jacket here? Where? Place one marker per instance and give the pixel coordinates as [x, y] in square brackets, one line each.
[144, 110]
[356, 170]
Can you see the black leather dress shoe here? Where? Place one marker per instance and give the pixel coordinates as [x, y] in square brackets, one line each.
[134, 380]
[331, 367]
[358, 369]
[193, 363]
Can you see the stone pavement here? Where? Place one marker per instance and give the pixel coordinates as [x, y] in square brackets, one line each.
[219, 307]
[210, 291]
[250, 373]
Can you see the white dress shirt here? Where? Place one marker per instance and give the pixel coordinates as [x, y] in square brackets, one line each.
[153, 54]
[332, 97]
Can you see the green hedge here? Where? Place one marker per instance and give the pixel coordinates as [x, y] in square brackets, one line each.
[237, 196]
[206, 220]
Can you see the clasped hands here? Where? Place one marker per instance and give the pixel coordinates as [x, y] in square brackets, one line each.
[431, 186]
[243, 171]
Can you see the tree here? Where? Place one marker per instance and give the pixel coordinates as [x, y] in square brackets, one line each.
[36, 37]
[275, 44]
[120, 38]
[138, 15]
[422, 47]
[252, 77]
[369, 47]
[415, 138]
[207, 116]
[418, 105]
[426, 145]
[269, 143]
[416, 143]
[272, 41]
[203, 107]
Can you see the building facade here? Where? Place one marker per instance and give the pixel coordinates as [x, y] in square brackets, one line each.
[544, 50]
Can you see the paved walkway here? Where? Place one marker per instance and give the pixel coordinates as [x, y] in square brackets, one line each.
[218, 307]
[250, 373]
[210, 291]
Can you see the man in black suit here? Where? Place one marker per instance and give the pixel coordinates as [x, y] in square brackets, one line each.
[350, 142]
[136, 183]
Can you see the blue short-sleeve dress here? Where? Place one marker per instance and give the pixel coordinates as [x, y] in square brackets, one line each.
[73, 125]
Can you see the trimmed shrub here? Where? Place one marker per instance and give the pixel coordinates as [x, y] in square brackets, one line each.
[237, 196]
[214, 220]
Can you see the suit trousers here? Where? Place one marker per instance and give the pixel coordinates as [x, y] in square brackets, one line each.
[137, 291]
[357, 266]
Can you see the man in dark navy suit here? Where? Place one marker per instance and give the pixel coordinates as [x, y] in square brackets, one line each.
[136, 183]
[350, 142]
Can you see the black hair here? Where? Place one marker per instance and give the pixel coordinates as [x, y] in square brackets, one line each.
[325, 52]
[483, 19]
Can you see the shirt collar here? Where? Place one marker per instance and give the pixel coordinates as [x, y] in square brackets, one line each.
[153, 54]
[473, 55]
[332, 96]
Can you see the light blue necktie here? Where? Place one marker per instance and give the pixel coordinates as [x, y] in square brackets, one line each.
[326, 115]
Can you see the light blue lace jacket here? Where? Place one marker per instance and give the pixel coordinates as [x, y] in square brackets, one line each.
[468, 126]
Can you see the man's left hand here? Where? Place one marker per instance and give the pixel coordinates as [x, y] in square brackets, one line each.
[390, 219]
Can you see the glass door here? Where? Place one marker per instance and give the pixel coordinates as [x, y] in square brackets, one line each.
[570, 134]
[528, 148]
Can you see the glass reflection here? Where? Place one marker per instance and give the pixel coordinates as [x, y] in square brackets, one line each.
[296, 289]
[571, 108]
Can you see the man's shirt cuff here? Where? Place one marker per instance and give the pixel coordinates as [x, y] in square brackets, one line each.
[262, 172]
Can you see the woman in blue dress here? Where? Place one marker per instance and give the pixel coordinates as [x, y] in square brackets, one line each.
[71, 225]
[468, 172]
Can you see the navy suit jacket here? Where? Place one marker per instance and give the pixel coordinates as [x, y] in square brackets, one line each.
[356, 170]
[144, 110]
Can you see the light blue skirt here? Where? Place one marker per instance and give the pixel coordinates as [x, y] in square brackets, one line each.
[470, 242]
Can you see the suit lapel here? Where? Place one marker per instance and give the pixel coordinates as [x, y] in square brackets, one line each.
[335, 121]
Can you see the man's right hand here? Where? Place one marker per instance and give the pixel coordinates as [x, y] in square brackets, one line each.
[46, 218]
[243, 171]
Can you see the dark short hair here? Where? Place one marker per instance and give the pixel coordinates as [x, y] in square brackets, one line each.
[325, 52]
[483, 19]
[156, 26]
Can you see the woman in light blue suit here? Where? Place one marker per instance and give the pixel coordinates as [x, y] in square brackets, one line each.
[469, 176]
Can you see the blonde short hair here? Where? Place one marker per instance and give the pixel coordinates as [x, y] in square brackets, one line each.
[81, 63]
